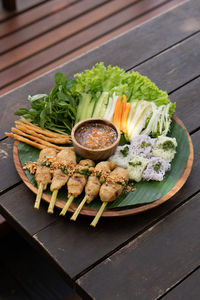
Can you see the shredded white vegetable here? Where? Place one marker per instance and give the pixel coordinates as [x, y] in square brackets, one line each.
[139, 112]
[111, 107]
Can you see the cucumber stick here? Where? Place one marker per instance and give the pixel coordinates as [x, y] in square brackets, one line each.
[101, 105]
[85, 107]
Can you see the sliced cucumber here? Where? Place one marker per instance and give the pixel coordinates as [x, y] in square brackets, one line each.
[101, 105]
[82, 107]
[90, 108]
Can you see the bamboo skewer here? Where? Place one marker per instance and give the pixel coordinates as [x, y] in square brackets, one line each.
[67, 205]
[98, 215]
[39, 196]
[77, 211]
[52, 201]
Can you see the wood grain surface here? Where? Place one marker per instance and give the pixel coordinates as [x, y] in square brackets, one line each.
[154, 254]
[42, 35]
[110, 213]
[153, 262]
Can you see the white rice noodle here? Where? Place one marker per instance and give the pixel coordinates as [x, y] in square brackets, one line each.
[151, 174]
[135, 146]
[119, 159]
[136, 171]
[158, 150]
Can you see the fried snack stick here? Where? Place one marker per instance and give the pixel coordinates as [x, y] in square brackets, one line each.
[77, 182]
[65, 162]
[24, 140]
[35, 139]
[29, 130]
[111, 189]
[45, 131]
[94, 183]
[43, 173]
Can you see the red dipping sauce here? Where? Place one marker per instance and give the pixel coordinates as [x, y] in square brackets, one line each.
[96, 136]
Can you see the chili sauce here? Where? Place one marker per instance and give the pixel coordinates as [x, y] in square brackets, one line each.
[96, 136]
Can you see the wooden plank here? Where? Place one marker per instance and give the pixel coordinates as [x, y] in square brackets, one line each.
[135, 38]
[17, 207]
[34, 274]
[10, 176]
[188, 289]
[32, 15]
[22, 5]
[60, 33]
[105, 38]
[9, 5]
[65, 15]
[5, 228]
[182, 60]
[154, 262]
[48, 23]
[10, 288]
[89, 245]
[184, 97]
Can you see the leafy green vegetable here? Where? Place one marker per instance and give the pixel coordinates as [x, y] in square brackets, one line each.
[145, 144]
[64, 170]
[102, 180]
[98, 174]
[125, 151]
[93, 93]
[167, 145]
[46, 164]
[142, 88]
[86, 172]
[99, 88]
[56, 111]
[133, 164]
[157, 166]
[121, 182]
[99, 84]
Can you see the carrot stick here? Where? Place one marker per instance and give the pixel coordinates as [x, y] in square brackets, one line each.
[123, 111]
[125, 117]
[117, 112]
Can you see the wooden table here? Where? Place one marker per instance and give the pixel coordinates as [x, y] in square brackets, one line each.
[152, 255]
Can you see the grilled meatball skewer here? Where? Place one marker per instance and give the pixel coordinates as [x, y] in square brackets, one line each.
[94, 183]
[65, 160]
[43, 174]
[111, 189]
[77, 182]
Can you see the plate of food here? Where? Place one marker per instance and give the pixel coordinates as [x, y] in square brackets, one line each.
[130, 152]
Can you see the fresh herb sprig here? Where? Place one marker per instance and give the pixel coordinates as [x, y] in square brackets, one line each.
[56, 111]
[125, 151]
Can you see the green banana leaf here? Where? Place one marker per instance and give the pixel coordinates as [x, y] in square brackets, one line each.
[146, 192]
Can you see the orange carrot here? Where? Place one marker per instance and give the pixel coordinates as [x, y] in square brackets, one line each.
[125, 118]
[123, 110]
[118, 112]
